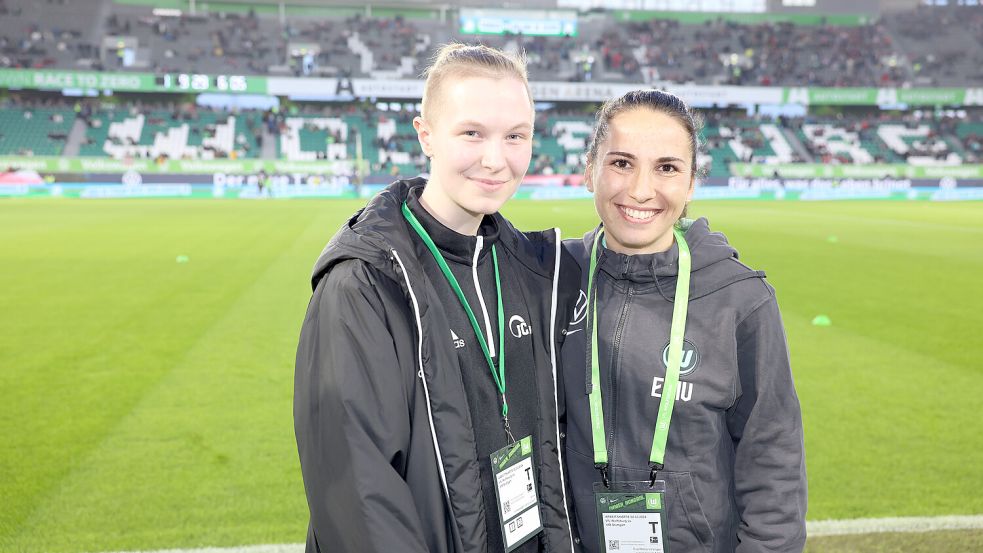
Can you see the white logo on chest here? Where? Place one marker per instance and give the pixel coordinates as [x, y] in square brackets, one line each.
[518, 327]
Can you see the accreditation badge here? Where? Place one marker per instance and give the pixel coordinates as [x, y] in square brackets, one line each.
[631, 517]
[514, 473]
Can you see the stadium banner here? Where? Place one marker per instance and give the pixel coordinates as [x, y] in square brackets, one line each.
[43, 79]
[412, 89]
[775, 190]
[848, 96]
[493, 21]
[229, 172]
[55, 164]
[820, 171]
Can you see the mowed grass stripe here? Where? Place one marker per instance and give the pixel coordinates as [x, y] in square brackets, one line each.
[207, 294]
[205, 456]
[874, 446]
[92, 318]
[891, 383]
[900, 294]
[895, 535]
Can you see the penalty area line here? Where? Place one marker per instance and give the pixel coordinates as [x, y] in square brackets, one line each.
[819, 528]
[814, 529]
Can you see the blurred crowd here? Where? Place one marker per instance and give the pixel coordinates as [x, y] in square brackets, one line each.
[940, 133]
[920, 47]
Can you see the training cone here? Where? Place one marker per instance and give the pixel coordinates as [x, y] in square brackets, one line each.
[182, 259]
[821, 320]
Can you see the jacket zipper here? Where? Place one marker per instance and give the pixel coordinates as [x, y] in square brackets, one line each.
[556, 402]
[423, 378]
[615, 366]
[490, 340]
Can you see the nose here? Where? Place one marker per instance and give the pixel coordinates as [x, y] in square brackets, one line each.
[493, 156]
[642, 187]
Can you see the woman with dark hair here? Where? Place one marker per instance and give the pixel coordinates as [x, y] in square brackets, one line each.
[683, 426]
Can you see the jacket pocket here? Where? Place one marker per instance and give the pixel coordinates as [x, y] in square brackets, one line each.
[688, 525]
[689, 529]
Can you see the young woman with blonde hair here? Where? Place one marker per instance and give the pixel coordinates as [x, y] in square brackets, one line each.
[425, 399]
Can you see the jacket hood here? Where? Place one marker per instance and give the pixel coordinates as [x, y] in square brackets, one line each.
[373, 231]
[714, 262]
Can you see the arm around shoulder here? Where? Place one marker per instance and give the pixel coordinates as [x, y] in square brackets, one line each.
[766, 426]
[352, 415]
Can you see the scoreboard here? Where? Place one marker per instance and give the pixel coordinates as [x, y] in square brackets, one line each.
[195, 82]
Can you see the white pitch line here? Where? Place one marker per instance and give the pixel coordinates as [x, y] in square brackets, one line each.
[900, 524]
[268, 548]
[814, 528]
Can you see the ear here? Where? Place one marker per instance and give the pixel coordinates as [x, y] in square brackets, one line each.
[423, 135]
[588, 177]
[692, 188]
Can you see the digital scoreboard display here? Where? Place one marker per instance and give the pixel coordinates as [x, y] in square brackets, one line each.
[193, 82]
[526, 22]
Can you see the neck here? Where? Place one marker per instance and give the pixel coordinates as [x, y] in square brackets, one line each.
[451, 216]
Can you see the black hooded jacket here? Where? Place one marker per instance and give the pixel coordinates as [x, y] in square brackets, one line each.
[735, 460]
[386, 438]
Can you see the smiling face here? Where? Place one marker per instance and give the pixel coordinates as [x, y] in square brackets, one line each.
[642, 179]
[479, 140]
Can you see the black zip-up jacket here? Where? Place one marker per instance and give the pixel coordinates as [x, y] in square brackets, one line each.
[471, 262]
[735, 461]
[386, 438]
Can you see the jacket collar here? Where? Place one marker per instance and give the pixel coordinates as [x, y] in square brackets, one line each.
[710, 253]
[454, 245]
[379, 228]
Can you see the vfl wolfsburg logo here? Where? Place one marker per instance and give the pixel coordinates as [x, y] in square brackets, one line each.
[689, 361]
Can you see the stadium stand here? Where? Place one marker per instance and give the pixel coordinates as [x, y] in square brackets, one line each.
[893, 50]
[385, 139]
[898, 49]
[34, 130]
[141, 131]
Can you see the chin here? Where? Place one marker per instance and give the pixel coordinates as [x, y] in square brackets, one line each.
[486, 207]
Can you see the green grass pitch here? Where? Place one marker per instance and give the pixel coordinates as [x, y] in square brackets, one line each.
[146, 403]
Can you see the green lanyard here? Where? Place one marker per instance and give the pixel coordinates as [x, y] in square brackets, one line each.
[679, 308]
[498, 374]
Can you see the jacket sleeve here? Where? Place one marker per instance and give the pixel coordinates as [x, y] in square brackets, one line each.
[352, 417]
[766, 426]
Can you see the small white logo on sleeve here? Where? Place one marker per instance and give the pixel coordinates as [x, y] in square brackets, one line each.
[458, 342]
[518, 327]
[578, 315]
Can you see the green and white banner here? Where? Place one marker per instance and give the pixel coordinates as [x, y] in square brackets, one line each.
[43, 79]
[876, 171]
[883, 96]
[412, 89]
[52, 164]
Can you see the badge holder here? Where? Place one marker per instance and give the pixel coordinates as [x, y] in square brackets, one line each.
[631, 517]
[514, 472]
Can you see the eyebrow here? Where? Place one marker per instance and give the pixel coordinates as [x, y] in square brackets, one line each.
[664, 159]
[470, 123]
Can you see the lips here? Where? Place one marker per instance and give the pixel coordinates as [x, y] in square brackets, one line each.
[488, 182]
[638, 215]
